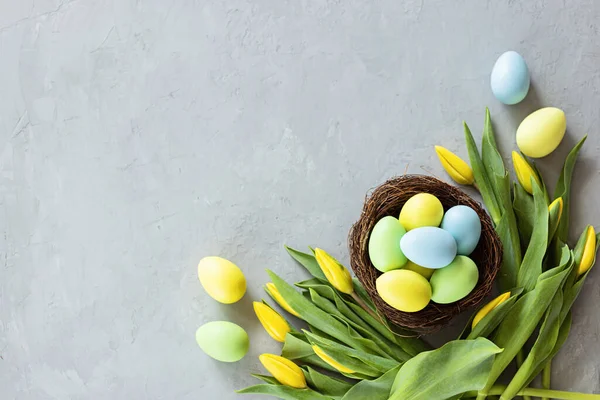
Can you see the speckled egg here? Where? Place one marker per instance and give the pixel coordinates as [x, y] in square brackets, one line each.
[455, 281]
[464, 225]
[404, 290]
[222, 340]
[510, 78]
[541, 132]
[429, 247]
[384, 244]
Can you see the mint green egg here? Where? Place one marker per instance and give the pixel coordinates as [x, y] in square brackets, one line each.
[384, 244]
[455, 281]
[224, 341]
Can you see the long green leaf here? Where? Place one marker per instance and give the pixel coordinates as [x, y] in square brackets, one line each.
[284, 392]
[507, 276]
[563, 189]
[493, 162]
[266, 378]
[541, 349]
[308, 261]
[531, 268]
[455, 368]
[325, 384]
[377, 389]
[296, 347]
[523, 317]
[524, 208]
[481, 178]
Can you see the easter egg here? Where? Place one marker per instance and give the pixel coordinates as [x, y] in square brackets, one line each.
[384, 244]
[404, 290]
[455, 281]
[222, 279]
[510, 78]
[429, 247]
[222, 340]
[424, 272]
[464, 225]
[422, 209]
[541, 132]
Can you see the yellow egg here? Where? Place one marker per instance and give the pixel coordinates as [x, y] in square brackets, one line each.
[422, 209]
[222, 279]
[404, 290]
[425, 272]
[541, 132]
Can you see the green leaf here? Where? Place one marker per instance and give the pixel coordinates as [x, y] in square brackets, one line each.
[507, 276]
[481, 178]
[456, 367]
[524, 208]
[357, 360]
[296, 347]
[524, 316]
[362, 293]
[493, 163]
[326, 384]
[316, 317]
[266, 378]
[541, 349]
[378, 389]
[531, 268]
[491, 321]
[563, 189]
[284, 392]
[308, 261]
[539, 174]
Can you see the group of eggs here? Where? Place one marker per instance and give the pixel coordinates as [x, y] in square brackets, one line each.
[423, 254]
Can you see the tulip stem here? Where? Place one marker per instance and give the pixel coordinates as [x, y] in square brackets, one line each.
[520, 360]
[546, 376]
[534, 392]
[368, 309]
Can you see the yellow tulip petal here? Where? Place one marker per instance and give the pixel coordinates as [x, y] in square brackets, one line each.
[485, 310]
[557, 203]
[275, 325]
[589, 252]
[336, 273]
[325, 357]
[455, 166]
[524, 172]
[285, 371]
[274, 293]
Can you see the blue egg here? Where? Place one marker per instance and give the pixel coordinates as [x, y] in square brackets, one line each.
[510, 78]
[429, 247]
[464, 225]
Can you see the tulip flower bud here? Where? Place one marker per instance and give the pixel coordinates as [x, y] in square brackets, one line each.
[325, 357]
[285, 371]
[455, 166]
[275, 325]
[274, 293]
[524, 172]
[553, 206]
[485, 310]
[589, 252]
[335, 272]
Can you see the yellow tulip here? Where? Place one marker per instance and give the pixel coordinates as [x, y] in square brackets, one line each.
[275, 325]
[557, 203]
[274, 293]
[325, 357]
[524, 172]
[284, 370]
[455, 166]
[335, 272]
[489, 307]
[589, 252]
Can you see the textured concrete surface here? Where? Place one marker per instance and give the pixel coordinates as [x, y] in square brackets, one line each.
[139, 136]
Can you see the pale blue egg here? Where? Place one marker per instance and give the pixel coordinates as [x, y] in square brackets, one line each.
[510, 78]
[429, 247]
[464, 225]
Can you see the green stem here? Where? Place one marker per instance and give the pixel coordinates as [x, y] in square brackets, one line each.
[534, 392]
[368, 309]
[520, 360]
[546, 376]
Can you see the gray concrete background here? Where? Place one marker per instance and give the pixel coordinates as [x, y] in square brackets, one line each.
[139, 136]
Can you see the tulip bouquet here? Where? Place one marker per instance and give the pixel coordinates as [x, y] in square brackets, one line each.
[348, 351]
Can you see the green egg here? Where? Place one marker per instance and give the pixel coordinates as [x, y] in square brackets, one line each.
[224, 341]
[455, 281]
[384, 244]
